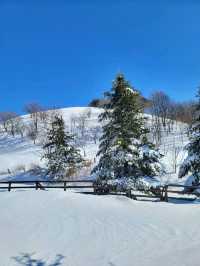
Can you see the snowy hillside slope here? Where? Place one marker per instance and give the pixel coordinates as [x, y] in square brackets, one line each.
[52, 228]
[17, 154]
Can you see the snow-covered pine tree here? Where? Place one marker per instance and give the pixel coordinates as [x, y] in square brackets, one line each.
[150, 159]
[60, 154]
[192, 161]
[124, 151]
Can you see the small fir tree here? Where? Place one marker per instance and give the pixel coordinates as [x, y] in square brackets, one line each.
[60, 154]
[121, 150]
[192, 161]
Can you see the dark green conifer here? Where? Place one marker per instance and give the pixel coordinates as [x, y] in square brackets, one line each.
[192, 162]
[121, 145]
[59, 152]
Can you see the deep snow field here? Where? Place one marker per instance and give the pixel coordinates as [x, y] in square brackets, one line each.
[51, 228]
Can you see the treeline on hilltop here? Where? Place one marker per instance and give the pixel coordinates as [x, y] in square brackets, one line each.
[162, 108]
[13, 124]
[160, 104]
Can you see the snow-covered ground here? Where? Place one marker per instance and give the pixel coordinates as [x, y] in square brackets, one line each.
[17, 154]
[51, 228]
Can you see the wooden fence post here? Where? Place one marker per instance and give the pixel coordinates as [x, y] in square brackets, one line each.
[162, 193]
[96, 189]
[9, 186]
[128, 193]
[133, 196]
[65, 183]
[166, 194]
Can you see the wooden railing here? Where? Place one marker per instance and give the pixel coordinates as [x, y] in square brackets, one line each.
[163, 193]
[36, 184]
[185, 190]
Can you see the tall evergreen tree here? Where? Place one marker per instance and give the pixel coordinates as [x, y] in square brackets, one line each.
[59, 152]
[123, 145]
[192, 161]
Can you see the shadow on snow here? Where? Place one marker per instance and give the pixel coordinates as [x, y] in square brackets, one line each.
[26, 259]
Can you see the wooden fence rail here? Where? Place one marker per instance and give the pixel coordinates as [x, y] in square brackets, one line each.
[35, 184]
[163, 193]
[186, 190]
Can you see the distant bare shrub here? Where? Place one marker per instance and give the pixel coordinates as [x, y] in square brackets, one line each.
[32, 133]
[35, 169]
[87, 163]
[74, 172]
[20, 168]
[34, 110]
[71, 172]
[5, 172]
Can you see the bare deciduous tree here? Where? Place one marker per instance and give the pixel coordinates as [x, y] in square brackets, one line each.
[185, 112]
[95, 133]
[176, 152]
[34, 109]
[160, 106]
[20, 126]
[12, 123]
[73, 125]
[156, 130]
[4, 119]
[15, 125]
[81, 121]
[31, 132]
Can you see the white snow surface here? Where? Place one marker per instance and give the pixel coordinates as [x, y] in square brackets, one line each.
[64, 228]
[52, 228]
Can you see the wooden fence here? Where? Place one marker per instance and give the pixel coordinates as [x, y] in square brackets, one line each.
[163, 193]
[66, 184]
[180, 190]
[166, 192]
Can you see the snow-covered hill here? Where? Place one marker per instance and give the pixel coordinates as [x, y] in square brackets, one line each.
[49, 228]
[19, 155]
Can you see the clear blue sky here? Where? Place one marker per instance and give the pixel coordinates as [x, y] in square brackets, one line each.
[65, 53]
